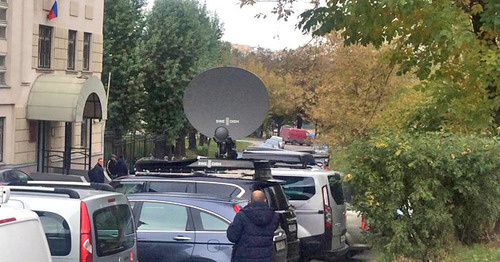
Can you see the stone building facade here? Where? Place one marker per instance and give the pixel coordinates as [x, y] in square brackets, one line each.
[52, 102]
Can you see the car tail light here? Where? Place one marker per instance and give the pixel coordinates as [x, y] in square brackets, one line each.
[7, 220]
[364, 226]
[236, 208]
[131, 256]
[85, 234]
[327, 210]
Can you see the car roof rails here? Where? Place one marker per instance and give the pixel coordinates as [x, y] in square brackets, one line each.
[66, 184]
[190, 165]
[52, 190]
[262, 148]
[202, 167]
[281, 156]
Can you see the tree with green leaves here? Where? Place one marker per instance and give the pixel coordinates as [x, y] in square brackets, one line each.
[452, 45]
[123, 27]
[180, 41]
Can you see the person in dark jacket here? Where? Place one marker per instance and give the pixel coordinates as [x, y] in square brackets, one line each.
[111, 166]
[96, 174]
[121, 167]
[252, 231]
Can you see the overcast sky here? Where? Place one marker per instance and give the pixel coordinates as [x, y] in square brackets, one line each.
[241, 26]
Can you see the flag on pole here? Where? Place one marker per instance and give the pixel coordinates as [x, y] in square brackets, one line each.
[53, 11]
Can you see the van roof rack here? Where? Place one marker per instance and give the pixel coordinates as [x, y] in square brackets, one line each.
[262, 148]
[191, 165]
[63, 191]
[250, 159]
[261, 170]
[66, 184]
[279, 156]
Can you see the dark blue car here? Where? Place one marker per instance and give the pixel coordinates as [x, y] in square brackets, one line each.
[184, 227]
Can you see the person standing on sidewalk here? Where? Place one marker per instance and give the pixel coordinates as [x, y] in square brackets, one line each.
[111, 167]
[121, 167]
[96, 174]
[252, 230]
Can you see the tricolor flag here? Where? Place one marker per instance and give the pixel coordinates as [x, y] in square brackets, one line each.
[53, 11]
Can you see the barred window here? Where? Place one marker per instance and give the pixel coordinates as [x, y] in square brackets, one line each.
[71, 49]
[86, 51]
[44, 46]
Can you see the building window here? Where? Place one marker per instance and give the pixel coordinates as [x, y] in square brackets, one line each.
[71, 49]
[3, 14]
[83, 133]
[86, 51]
[3, 31]
[44, 46]
[2, 70]
[2, 120]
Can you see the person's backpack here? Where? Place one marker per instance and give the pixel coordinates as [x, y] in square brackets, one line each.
[91, 174]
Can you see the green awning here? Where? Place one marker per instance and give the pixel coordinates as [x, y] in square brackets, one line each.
[66, 98]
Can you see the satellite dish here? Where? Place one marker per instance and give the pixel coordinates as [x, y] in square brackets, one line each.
[230, 100]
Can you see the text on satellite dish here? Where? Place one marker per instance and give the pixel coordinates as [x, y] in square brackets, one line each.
[227, 121]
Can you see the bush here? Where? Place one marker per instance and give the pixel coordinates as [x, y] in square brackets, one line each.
[445, 187]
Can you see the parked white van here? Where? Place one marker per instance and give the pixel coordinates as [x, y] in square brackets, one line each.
[318, 198]
[21, 234]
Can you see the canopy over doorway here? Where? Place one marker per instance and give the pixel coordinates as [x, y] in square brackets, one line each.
[69, 99]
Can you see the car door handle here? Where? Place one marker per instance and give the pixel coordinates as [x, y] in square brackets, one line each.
[182, 238]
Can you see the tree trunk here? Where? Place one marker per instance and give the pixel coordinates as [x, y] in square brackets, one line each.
[192, 140]
[203, 139]
[299, 122]
[180, 147]
[280, 124]
[160, 147]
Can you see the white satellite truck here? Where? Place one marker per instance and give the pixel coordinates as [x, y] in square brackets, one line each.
[21, 234]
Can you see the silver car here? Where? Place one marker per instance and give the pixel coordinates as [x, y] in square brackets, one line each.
[81, 224]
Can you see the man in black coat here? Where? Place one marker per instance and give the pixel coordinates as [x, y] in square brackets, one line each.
[111, 166]
[252, 231]
[96, 174]
[121, 167]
